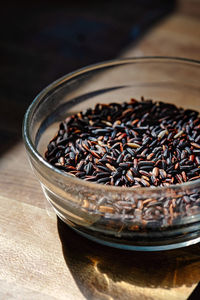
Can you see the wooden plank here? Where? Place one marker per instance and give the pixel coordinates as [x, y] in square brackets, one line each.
[17, 178]
[177, 35]
[31, 254]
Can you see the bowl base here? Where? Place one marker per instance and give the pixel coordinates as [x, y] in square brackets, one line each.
[106, 241]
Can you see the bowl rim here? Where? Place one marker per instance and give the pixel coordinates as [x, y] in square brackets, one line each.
[75, 180]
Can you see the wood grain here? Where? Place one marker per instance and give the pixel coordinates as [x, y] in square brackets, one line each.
[41, 258]
[178, 35]
[31, 254]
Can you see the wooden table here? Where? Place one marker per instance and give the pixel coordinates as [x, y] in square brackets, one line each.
[41, 258]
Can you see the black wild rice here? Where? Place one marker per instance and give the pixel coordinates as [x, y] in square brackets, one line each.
[155, 137]
[133, 144]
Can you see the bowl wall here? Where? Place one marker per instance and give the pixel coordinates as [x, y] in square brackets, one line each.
[87, 207]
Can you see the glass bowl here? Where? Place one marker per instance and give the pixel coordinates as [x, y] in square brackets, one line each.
[144, 219]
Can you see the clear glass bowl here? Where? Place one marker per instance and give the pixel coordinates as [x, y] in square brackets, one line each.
[87, 206]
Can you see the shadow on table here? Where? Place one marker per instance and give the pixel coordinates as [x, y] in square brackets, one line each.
[43, 40]
[106, 273]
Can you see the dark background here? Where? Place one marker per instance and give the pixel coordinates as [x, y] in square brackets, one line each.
[43, 40]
